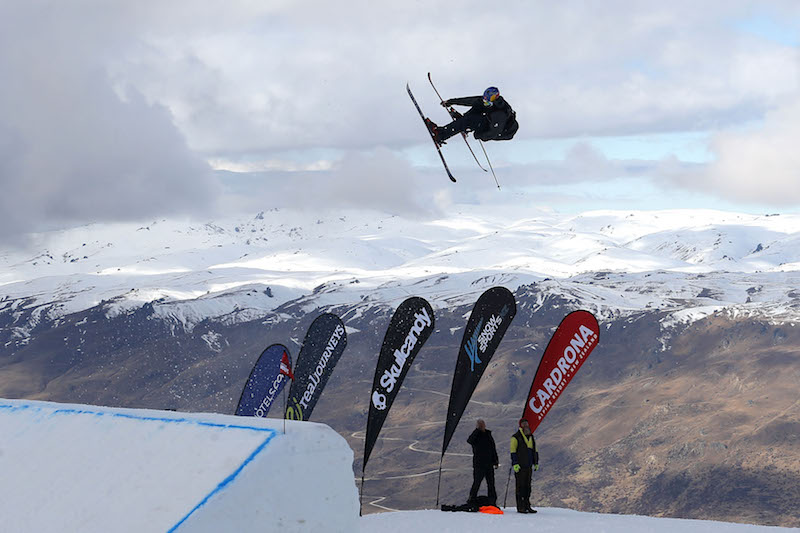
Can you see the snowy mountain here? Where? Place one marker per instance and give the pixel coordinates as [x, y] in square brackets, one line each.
[688, 407]
[687, 262]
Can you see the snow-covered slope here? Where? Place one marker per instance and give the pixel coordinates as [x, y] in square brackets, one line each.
[78, 468]
[547, 521]
[688, 261]
[87, 468]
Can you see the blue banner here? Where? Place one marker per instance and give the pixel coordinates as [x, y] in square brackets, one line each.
[265, 382]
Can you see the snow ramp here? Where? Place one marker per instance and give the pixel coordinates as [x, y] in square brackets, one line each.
[84, 468]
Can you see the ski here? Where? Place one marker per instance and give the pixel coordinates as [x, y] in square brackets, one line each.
[454, 115]
[438, 147]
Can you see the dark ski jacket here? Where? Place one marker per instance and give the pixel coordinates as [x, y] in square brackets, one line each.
[484, 452]
[501, 123]
[518, 455]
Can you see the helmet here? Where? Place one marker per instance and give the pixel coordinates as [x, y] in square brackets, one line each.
[490, 95]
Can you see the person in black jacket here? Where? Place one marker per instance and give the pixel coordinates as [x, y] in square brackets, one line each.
[489, 116]
[524, 459]
[484, 461]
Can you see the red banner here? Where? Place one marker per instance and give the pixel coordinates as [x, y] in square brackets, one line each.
[573, 341]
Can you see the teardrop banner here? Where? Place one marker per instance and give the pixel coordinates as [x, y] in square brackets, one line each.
[568, 349]
[408, 330]
[322, 347]
[268, 377]
[491, 316]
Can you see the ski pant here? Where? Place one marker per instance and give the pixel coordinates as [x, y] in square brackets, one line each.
[523, 481]
[478, 475]
[467, 122]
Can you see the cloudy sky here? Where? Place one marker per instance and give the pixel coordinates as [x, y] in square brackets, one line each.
[113, 111]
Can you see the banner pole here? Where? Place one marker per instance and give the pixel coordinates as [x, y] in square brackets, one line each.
[439, 485]
[361, 496]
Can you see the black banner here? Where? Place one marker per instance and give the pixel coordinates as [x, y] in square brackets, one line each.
[490, 318]
[408, 330]
[323, 346]
[265, 382]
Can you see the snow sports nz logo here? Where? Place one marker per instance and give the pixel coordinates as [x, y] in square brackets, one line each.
[471, 347]
[482, 336]
[323, 345]
[490, 318]
[409, 328]
[571, 344]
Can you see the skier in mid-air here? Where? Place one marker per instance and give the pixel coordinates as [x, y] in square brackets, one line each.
[489, 116]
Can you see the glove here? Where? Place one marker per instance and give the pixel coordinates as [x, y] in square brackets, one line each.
[535, 467]
[516, 469]
[445, 103]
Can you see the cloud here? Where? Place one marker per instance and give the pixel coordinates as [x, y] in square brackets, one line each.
[377, 180]
[760, 164]
[583, 163]
[281, 75]
[72, 148]
[310, 75]
[111, 109]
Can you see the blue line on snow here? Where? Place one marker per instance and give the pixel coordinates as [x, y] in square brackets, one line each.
[136, 417]
[224, 483]
[217, 489]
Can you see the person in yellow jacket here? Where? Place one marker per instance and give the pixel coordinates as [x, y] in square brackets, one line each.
[525, 459]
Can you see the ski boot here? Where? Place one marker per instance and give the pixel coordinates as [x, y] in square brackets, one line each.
[434, 129]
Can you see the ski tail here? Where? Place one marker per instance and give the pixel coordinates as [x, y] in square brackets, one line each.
[425, 121]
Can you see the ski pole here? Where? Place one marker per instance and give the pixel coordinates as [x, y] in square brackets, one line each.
[490, 163]
[508, 479]
[361, 496]
[434, 87]
[284, 410]
[452, 111]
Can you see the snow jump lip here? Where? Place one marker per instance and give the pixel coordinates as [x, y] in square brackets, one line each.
[101, 468]
[268, 434]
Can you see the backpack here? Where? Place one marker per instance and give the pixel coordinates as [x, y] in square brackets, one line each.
[510, 130]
